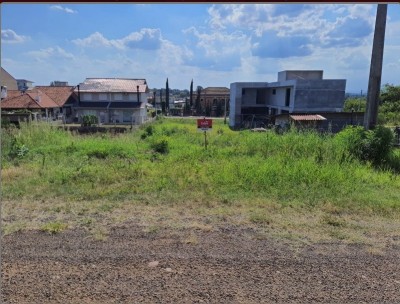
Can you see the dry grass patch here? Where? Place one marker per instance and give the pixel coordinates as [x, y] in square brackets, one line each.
[297, 225]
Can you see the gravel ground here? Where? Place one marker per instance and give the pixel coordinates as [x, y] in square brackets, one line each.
[229, 265]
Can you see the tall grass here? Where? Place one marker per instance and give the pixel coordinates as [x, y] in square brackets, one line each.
[297, 168]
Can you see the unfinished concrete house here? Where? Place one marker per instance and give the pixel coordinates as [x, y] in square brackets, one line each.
[304, 92]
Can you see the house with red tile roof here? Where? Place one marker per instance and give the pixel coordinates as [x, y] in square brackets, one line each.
[65, 97]
[34, 101]
[113, 100]
[47, 101]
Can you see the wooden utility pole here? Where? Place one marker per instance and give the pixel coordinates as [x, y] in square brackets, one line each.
[375, 73]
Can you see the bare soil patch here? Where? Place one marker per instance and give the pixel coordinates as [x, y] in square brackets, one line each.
[230, 264]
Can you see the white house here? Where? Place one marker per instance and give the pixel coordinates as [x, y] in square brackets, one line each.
[24, 85]
[113, 100]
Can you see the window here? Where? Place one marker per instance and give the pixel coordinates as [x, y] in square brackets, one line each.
[125, 97]
[261, 96]
[287, 100]
[273, 91]
[127, 116]
[95, 96]
[243, 92]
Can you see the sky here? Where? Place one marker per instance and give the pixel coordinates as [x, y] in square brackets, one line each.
[213, 44]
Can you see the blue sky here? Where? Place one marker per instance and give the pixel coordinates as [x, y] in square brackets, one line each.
[213, 44]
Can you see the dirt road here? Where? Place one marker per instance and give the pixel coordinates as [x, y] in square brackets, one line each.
[229, 265]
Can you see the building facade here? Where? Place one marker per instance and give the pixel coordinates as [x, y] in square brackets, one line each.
[112, 100]
[24, 85]
[8, 83]
[214, 101]
[302, 91]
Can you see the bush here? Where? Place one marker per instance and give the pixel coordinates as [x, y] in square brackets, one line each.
[89, 120]
[372, 145]
[148, 131]
[160, 145]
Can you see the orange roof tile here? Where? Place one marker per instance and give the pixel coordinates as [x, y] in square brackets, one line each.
[33, 99]
[59, 95]
[13, 93]
[19, 102]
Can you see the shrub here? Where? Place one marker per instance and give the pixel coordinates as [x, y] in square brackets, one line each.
[89, 120]
[372, 145]
[160, 145]
[148, 131]
[17, 150]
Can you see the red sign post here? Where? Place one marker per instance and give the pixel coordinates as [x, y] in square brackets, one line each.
[204, 125]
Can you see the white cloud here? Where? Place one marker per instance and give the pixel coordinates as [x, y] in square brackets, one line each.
[218, 49]
[318, 22]
[9, 36]
[98, 40]
[170, 54]
[63, 9]
[51, 52]
[146, 39]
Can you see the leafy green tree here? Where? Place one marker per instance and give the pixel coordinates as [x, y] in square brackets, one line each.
[389, 109]
[390, 94]
[356, 104]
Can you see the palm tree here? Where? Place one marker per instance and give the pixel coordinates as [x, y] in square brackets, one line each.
[375, 72]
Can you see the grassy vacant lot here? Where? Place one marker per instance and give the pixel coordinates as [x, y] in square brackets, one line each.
[300, 186]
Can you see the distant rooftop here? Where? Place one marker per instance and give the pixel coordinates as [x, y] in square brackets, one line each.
[24, 80]
[124, 85]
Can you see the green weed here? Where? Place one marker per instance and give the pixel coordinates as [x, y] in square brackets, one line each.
[53, 227]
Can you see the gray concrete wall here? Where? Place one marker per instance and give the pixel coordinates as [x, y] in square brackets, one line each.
[306, 95]
[291, 75]
[322, 95]
[237, 101]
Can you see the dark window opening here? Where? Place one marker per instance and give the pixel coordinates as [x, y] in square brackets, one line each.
[260, 96]
[273, 91]
[287, 100]
[243, 92]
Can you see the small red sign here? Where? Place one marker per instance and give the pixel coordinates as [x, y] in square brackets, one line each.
[204, 124]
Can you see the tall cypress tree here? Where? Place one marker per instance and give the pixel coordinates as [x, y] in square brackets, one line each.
[198, 102]
[167, 96]
[162, 103]
[191, 94]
